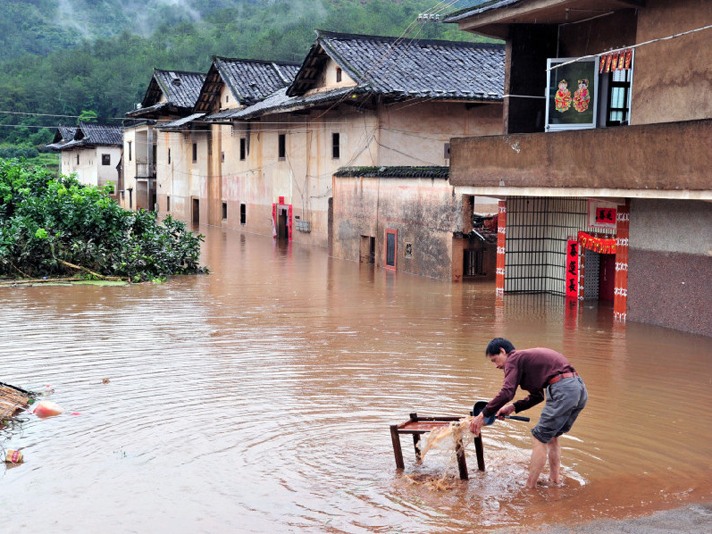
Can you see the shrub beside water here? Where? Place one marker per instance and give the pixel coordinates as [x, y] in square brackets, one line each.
[47, 223]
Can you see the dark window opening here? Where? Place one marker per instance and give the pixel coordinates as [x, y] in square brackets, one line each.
[243, 149]
[169, 156]
[391, 248]
[106, 159]
[168, 203]
[77, 159]
[338, 74]
[195, 152]
[618, 97]
[335, 146]
[282, 146]
[243, 214]
[129, 150]
[224, 211]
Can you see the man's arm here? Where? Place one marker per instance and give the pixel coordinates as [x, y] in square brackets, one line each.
[531, 400]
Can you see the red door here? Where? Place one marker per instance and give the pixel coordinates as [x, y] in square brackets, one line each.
[607, 279]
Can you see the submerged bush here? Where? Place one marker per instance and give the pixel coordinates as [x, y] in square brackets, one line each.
[48, 222]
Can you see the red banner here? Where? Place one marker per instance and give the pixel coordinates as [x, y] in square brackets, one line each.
[597, 244]
[572, 269]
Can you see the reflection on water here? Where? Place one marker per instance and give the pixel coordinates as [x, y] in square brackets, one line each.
[259, 398]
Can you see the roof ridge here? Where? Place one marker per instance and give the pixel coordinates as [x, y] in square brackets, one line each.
[467, 44]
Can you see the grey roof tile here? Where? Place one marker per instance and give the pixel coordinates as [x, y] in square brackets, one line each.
[251, 80]
[392, 66]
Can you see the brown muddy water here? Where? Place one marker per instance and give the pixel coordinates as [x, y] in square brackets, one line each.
[258, 399]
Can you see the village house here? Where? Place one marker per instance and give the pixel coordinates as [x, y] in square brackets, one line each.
[194, 179]
[603, 171]
[90, 151]
[356, 101]
[170, 96]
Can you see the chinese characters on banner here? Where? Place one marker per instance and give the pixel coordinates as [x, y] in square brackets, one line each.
[606, 217]
[572, 269]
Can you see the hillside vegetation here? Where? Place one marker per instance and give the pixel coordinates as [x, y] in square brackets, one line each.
[61, 57]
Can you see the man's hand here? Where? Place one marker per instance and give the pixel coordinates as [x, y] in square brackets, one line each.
[507, 409]
[476, 424]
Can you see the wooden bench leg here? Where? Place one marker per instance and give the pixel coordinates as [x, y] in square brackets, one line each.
[416, 440]
[395, 438]
[461, 462]
[479, 450]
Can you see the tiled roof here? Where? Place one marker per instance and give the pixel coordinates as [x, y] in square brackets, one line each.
[394, 172]
[477, 7]
[436, 70]
[178, 123]
[279, 102]
[249, 80]
[63, 135]
[90, 134]
[410, 67]
[180, 89]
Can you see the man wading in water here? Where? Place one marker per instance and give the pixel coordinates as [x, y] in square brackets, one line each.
[536, 370]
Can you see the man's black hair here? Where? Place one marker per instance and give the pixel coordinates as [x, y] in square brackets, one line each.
[498, 343]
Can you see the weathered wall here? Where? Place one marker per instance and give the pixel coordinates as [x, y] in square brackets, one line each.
[416, 134]
[424, 211]
[670, 264]
[671, 80]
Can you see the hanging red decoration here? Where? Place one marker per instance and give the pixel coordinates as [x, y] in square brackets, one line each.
[597, 244]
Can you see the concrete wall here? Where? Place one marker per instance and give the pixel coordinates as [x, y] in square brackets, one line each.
[671, 80]
[671, 156]
[670, 265]
[423, 211]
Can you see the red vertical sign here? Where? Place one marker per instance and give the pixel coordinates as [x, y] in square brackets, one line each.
[620, 292]
[501, 241]
[289, 222]
[572, 269]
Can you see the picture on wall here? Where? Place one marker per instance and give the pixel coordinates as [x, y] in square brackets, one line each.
[571, 94]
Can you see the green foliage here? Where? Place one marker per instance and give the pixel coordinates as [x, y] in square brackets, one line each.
[101, 56]
[47, 223]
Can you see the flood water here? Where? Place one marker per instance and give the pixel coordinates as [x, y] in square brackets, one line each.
[258, 399]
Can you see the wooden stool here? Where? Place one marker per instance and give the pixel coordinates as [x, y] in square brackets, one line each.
[422, 425]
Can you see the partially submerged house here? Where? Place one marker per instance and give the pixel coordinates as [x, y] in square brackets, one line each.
[90, 151]
[356, 101]
[170, 96]
[198, 168]
[603, 171]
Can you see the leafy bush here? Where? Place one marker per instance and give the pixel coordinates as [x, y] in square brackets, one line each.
[48, 224]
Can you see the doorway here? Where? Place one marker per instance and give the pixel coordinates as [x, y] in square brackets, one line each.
[196, 211]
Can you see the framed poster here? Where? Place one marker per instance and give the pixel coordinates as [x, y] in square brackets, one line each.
[571, 94]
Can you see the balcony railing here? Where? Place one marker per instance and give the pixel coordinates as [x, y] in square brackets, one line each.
[145, 170]
[671, 156]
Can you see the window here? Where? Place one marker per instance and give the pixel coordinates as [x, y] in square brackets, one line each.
[168, 203]
[243, 213]
[618, 109]
[129, 150]
[222, 156]
[77, 159]
[227, 98]
[282, 146]
[338, 74]
[335, 146]
[106, 159]
[195, 152]
[169, 156]
[224, 211]
[243, 149]
[391, 248]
